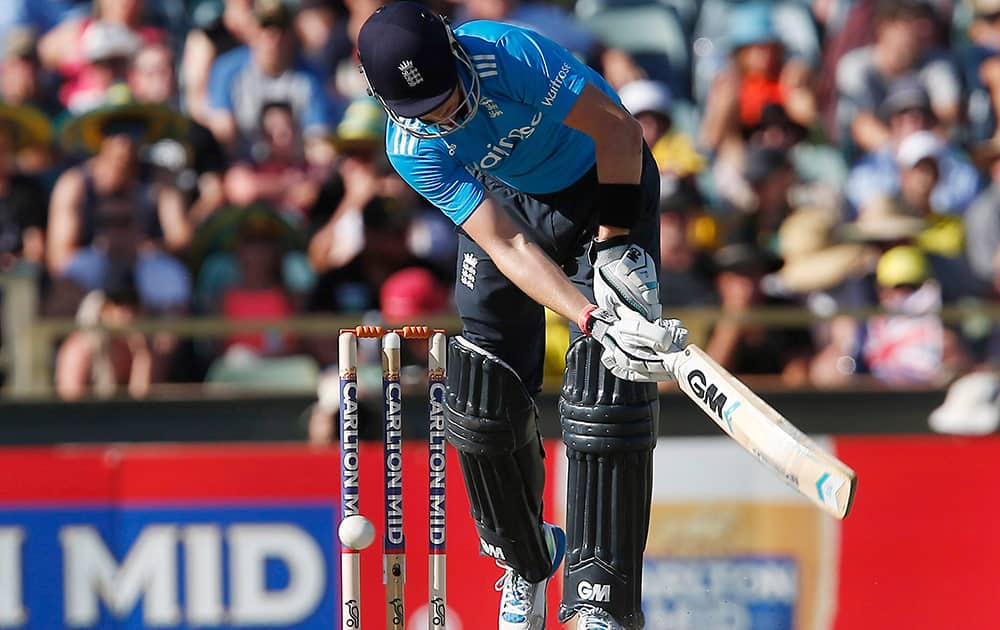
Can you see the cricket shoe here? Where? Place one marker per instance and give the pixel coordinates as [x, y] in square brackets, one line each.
[590, 618]
[522, 604]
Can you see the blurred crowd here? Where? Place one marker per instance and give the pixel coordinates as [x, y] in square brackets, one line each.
[221, 157]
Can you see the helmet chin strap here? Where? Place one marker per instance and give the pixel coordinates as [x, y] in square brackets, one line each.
[454, 120]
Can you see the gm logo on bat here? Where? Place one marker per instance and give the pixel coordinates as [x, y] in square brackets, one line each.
[715, 399]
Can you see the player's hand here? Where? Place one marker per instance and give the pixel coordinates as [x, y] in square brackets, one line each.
[634, 349]
[625, 279]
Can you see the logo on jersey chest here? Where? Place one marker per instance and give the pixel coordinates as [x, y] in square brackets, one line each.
[502, 147]
[492, 109]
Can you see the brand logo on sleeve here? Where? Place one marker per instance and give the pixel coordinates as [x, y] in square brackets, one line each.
[555, 85]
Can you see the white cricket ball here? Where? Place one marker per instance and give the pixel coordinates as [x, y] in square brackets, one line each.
[356, 532]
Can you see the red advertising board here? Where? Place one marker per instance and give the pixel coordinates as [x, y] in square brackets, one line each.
[919, 550]
[120, 494]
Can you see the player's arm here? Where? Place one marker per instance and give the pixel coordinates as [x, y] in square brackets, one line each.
[617, 140]
[625, 276]
[522, 261]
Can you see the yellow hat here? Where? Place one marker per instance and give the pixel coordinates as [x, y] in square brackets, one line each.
[363, 125]
[27, 126]
[904, 264]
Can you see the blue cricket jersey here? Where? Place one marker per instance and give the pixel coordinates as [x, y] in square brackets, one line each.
[527, 86]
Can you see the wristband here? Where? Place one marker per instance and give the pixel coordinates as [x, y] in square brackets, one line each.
[614, 241]
[583, 319]
[618, 204]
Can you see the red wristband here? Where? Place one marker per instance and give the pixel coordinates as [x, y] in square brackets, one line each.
[583, 318]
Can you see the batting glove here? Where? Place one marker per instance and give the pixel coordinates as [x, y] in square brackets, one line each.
[634, 349]
[625, 279]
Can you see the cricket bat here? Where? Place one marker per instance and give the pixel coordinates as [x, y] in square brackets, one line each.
[759, 428]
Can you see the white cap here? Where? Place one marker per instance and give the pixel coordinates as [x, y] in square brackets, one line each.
[107, 40]
[919, 146]
[646, 96]
[971, 407]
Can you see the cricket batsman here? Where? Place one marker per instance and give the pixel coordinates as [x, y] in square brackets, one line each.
[555, 198]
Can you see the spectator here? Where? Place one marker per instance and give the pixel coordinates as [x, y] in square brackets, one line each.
[93, 358]
[557, 24]
[322, 31]
[679, 162]
[279, 174]
[904, 47]
[745, 348]
[191, 159]
[825, 274]
[410, 296]
[980, 63]
[209, 37]
[108, 209]
[23, 201]
[910, 345]
[686, 273]
[885, 223]
[268, 70]
[918, 157]
[21, 80]
[815, 163]
[907, 109]
[338, 225]
[758, 73]
[982, 223]
[93, 51]
[216, 260]
[259, 292]
[762, 191]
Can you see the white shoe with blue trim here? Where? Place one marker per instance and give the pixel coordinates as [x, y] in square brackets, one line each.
[522, 604]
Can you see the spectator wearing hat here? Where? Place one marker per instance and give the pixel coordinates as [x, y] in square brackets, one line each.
[92, 52]
[109, 209]
[191, 158]
[910, 345]
[907, 109]
[260, 292]
[886, 222]
[904, 47]
[743, 348]
[269, 69]
[759, 73]
[23, 201]
[907, 346]
[651, 103]
[759, 194]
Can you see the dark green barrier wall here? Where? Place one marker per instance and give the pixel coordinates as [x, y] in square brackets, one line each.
[285, 418]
